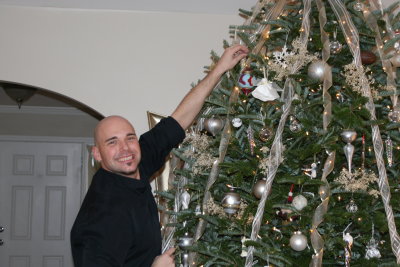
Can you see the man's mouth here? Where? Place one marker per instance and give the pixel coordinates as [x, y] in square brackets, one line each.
[126, 158]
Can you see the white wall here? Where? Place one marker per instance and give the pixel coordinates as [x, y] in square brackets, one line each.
[116, 62]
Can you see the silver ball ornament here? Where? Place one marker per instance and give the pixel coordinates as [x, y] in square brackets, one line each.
[317, 70]
[237, 122]
[265, 133]
[259, 188]
[395, 60]
[335, 47]
[394, 116]
[352, 207]
[348, 136]
[231, 202]
[299, 202]
[358, 6]
[294, 126]
[213, 125]
[298, 241]
[185, 241]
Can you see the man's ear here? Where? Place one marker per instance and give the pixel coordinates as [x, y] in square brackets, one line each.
[96, 153]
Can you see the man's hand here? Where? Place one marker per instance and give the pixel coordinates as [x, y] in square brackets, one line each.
[191, 104]
[231, 56]
[165, 260]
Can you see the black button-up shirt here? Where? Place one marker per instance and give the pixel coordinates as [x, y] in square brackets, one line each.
[118, 222]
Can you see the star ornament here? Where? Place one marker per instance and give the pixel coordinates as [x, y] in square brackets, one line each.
[266, 90]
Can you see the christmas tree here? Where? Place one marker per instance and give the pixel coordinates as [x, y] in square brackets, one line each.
[294, 160]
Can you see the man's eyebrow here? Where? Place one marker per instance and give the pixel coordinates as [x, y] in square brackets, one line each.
[111, 138]
[131, 134]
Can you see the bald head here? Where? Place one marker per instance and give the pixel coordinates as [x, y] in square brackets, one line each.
[107, 123]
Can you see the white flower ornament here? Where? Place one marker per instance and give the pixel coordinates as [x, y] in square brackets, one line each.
[266, 90]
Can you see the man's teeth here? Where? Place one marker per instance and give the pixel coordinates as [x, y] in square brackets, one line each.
[125, 158]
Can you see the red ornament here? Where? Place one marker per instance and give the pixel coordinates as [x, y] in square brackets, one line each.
[290, 195]
[247, 82]
[246, 91]
[367, 57]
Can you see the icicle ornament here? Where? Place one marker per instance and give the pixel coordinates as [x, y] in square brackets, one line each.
[250, 137]
[389, 151]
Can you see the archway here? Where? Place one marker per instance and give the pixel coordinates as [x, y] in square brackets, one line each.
[44, 168]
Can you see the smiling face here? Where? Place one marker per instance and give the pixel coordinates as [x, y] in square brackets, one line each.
[117, 147]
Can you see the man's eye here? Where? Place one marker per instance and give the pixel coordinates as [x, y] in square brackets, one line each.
[113, 142]
[131, 138]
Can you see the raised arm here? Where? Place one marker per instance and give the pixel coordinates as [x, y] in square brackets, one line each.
[191, 104]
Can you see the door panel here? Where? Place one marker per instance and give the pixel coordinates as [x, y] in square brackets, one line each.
[40, 192]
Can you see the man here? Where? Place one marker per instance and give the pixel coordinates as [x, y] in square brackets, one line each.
[118, 224]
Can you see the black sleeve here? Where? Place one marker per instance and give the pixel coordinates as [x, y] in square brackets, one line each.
[157, 143]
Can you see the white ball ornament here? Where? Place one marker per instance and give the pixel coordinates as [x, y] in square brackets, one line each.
[237, 122]
[317, 70]
[299, 202]
[298, 241]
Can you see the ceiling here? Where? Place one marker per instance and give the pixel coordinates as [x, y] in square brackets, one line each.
[230, 7]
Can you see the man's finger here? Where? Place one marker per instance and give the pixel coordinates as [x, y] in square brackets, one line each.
[170, 251]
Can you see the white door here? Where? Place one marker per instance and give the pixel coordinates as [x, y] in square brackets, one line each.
[40, 185]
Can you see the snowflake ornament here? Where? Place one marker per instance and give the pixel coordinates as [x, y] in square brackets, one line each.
[285, 63]
[281, 57]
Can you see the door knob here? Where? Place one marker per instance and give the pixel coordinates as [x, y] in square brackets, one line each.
[1, 229]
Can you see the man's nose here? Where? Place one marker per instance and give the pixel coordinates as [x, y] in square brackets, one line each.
[124, 145]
